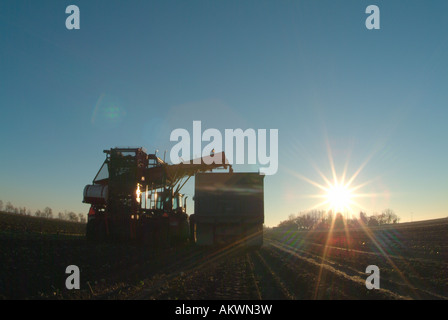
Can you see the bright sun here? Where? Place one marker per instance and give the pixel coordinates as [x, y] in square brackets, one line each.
[339, 194]
[339, 198]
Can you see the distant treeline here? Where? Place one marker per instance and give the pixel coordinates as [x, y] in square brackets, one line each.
[47, 212]
[320, 219]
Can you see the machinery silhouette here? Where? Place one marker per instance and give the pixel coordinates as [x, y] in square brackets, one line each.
[136, 196]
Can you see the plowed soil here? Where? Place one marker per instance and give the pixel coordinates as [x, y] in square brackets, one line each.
[412, 259]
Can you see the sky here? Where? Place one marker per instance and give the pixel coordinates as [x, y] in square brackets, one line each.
[370, 103]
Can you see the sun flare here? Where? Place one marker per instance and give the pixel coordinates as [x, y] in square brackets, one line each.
[338, 193]
[339, 198]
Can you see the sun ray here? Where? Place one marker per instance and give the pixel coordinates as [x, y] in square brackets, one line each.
[344, 173]
[330, 158]
[361, 167]
[314, 183]
[313, 196]
[319, 205]
[361, 185]
[324, 258]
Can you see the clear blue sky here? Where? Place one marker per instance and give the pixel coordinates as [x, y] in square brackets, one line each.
[138, 69]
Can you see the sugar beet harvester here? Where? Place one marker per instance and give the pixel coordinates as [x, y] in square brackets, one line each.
[136, 196]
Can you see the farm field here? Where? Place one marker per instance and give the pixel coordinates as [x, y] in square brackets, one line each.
[412, 258]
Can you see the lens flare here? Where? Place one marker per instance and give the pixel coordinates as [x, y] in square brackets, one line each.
[339, 198]
[108, 112]
[338, 192]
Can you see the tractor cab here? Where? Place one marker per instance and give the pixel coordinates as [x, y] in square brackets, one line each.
[166, 201]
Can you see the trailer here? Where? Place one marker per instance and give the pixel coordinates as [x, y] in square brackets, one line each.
[228, 209]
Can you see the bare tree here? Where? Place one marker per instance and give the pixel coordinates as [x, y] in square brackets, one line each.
[390, 216]
[373, 221]
[82, 217]
[1, 205]
[290, 223]
[363, 217]
[9, 207]
[73, 216]
[48, 213]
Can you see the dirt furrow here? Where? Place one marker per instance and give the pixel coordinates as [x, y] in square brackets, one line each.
[271, 285]
[393, 282]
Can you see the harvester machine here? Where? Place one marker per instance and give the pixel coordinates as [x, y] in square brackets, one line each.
[136, 196]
